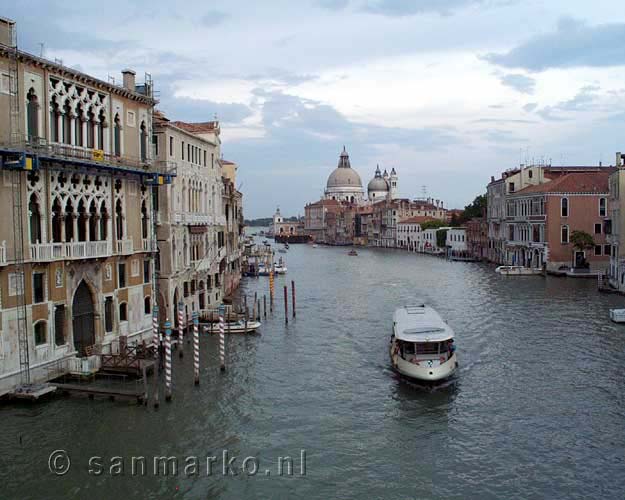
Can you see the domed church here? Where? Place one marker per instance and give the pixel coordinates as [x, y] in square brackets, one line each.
[344, 184]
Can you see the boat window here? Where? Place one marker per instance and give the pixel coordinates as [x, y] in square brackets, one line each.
[427, 347]
[408, 348]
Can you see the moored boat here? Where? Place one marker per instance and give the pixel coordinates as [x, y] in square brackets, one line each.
[422, 344]
[241, 327]
[352, 252]
[617, 315]
[518, 271]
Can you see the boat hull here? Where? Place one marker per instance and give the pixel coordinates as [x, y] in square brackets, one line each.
[428, 370]
[617, 315]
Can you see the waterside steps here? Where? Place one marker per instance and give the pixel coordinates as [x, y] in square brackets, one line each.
[32, 392]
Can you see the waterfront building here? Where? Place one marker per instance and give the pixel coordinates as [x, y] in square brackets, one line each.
[232, 207]
[614, 226]
[541, 218]
[191, 221]
[477, 238]
[286, 228]
[76, 268]
[409, 232]
[456, 241]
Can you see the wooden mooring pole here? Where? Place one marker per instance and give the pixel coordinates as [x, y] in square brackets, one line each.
[222, 346]
[293, 297]
[181, 318]
[286, 305]
[264, 306]
[167, 360]
[196, 348]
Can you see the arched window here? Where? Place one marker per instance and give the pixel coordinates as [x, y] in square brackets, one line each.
[143, 139]
[564, 234]
[100, 129]
[41, 332]
[32, 114]
[67, 124]
[564, 207]
[147, 305]
[93, 222]
[82, 221]
[90, 126]
[117, 136]
[103, 222]
[123, 311]
[144, 220]
[54, 122]
[57, 221]
[79, 139]
[119, 227]
[69, 221]
[35, 220]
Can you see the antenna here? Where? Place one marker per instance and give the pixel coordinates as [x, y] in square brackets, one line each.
[41, 49]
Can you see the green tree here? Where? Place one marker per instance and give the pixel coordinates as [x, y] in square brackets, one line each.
[477, 208]
[441, 238]
[581, 240]
[432, 224]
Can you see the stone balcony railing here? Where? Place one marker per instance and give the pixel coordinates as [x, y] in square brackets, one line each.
[72, 250]
[192, 218]
[124, 247]
[3, 254]
[149, 245]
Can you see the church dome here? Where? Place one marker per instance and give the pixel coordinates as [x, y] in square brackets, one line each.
[344, 176]
[378, 183]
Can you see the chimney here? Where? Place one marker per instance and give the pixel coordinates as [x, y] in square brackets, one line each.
[129, 79]
[7, 31]
[618, 159]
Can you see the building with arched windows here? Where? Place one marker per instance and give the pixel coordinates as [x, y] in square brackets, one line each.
[76, 193]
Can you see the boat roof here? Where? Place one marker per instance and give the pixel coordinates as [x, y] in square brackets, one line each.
[420, 323]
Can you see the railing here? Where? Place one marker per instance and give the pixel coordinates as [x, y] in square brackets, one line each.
[124, 247]
[192, 218]
[3, 254]
[72, 250]
[149, 245]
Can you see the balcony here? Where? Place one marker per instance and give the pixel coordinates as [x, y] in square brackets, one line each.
[3, 254]
[70, 251]
[124, 247]
[149, 245]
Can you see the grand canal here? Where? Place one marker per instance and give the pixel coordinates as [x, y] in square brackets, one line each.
[537, 411]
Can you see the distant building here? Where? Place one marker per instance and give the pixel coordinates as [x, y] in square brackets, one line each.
[409, 232]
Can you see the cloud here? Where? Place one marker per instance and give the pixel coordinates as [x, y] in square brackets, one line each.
[332, 4]
[530, 106]
[501, 136]
[520, 83]
[213, 18]
[573, 44]
[402, 8]
[585, 100]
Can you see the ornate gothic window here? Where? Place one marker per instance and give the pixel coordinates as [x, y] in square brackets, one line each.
[117, 147]
[101, 127]
[35, 220]
[67, 124]
[90, 127]
[55, 135]
[32, 115]
[119, 226]
[78, 135]
[143, 139]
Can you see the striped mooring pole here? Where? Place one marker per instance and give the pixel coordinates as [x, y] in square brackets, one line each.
[222, 343]
[155, 335]
[181, 326]
[168, 360]
[196, 348]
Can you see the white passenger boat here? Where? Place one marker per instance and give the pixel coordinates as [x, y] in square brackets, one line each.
[422, 344]
[280, 267]
[518, 271]
[617, 315]
[263, 270]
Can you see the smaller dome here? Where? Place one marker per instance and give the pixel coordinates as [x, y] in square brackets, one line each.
[378, 183]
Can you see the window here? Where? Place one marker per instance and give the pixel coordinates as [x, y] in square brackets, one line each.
[598, 249]
[530, 174]
[602, 207]
[143, 141]
[35, 220]
[182, 149]
[59, 325]
[155, 145]
[606, 249]
[597, 228]
[123, 312]
[117, 136]
[32, 115]
[108, 314]
[41, 333]
[171, 146]
[186, 288]
[564, 234]
[121, 275]
[212, 160]
[189, 153]
[38, 288]
[564, 207]
[146, 305]
[146, 271]
[204, 157]
[130, 118]
[134, 267]
[511, 187]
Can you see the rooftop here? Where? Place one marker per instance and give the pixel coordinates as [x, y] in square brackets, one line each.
[419, 219]
[574, 182]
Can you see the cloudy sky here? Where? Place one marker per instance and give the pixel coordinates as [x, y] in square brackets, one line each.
[449, 92]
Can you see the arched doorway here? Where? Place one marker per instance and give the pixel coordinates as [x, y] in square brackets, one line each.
[83, 319]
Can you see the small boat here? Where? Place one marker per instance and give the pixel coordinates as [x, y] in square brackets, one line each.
[353, 253]
[263, 270]
[518, 271]
[286, 245]
[280, 267]
[617, 315]
[422, 344]
[241, 327]
[315, 245]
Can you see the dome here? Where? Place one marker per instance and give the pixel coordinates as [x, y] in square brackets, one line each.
[344, 177]
[378, 183]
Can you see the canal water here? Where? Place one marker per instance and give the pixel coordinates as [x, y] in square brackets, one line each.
[537, 410]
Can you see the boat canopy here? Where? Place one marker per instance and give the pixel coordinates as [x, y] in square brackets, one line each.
[420, 323]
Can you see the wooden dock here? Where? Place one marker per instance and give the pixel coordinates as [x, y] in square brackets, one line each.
[92, 390]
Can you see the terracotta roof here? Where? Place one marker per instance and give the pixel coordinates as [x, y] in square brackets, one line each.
[419, 219]
[227, 162]
[575, 182]
[197, 128]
